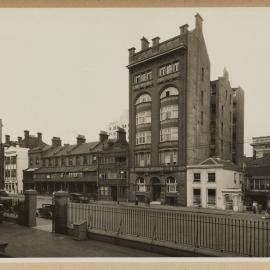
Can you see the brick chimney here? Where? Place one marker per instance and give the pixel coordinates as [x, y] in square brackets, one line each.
[155, 41]
[121, 135]
[26, 138]
[20, 140]
[81, 139]
[131, 52]
[39, 135]
[198, 21]
[56, 141]
[183, 29]
[103, 136]
[7, 139]
[144, 43]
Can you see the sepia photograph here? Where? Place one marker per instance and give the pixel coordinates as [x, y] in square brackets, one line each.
[134, 132]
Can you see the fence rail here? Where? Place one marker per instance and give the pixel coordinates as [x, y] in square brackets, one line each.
[226, 234]
[12, 205]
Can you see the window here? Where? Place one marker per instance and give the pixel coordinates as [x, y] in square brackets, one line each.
[170, 91]
[196, 177]
[37, 161]
[143, 159]
[13, 160]
[211, 197]
[169, 134]
[213, 89]
[211, 177]
[143, 137]
[168, 157]
[171, 185]
[202, 74]
[234, 179]
[168, 112]
[13, 173]
[7, 159]
[175, 66]
[141, 187]
[196, 196]
[168, 69]
[84, 159]
[104, 191]
[78, 161]
[70, 161]
[201, 118]
[143, 98]
[137, 78]
[162, 71]
[7, 173]
[202, 97]
[30, 161]
[143, 117]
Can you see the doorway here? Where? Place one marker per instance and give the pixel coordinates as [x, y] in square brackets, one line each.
[156, 189]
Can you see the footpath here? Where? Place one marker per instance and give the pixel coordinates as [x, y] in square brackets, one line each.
[35, 243]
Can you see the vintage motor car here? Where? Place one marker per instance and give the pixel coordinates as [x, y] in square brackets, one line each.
[46, 211]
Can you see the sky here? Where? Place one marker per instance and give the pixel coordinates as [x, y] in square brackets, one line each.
[63, 71]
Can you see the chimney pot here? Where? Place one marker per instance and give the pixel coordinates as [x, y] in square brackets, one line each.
[131, 51]
[121, 135]
[144, 43]
[183, 29]
[103, 136]
[155, 41]
[56, 141]
[199, 21]
[7, 139]
[81, 139]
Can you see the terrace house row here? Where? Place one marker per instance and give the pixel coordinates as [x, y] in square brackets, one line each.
[95, 168]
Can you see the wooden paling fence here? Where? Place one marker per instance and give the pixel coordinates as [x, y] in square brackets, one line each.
[238, 236]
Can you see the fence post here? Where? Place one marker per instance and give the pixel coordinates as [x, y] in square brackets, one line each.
[30, 206]
[61, 199]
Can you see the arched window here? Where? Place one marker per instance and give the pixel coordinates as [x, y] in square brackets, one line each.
[143, 98]
[170, 91]
[171, 184]
[141, 187]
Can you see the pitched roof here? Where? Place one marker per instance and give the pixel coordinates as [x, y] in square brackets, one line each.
[217, 162]
[89, 168]
[259, 166]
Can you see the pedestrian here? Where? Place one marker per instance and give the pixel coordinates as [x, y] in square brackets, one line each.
[254, 208]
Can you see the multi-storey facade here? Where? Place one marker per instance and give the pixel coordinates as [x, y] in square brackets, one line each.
[227, 120]
[121, 123]
[16, 160]
[257, 181]
[261, 146]
[215, 183]
[169, 112]
[221, 123]
[84, 167]
[238, 126]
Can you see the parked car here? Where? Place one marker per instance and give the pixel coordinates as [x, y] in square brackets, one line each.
[78, 198]
[3, 193]
[46, 211]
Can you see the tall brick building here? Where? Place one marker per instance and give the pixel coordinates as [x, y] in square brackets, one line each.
[227, 120]
[169, 101]
[170, 110]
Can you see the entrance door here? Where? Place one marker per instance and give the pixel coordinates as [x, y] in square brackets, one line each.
[114, 193]
[156, 189]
